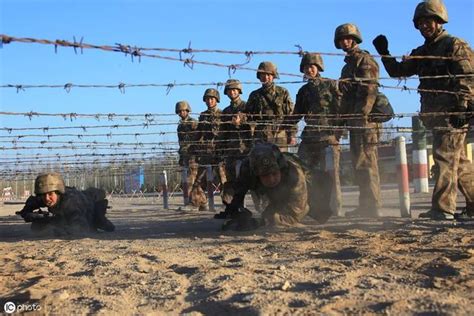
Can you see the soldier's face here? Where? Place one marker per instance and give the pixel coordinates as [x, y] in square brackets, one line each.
[346, 43]
[428, 27]
[50, 199]
[271, 180]
[183, 114]
[211, 102]
[265, 78]
[311, 71]
[233, 93]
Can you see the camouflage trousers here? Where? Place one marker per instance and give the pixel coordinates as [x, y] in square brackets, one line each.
[452, 171]
[364, 157]
[199, 188]
[325, 173]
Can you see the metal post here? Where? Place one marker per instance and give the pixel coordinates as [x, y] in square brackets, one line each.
[419, 156]
[210, 188]
[165, 189]
[184, 185]
[402, 175]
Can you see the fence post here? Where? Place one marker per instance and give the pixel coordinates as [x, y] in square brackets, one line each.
[184, 185]
[402, 175]
[210, 189]
[419, 156]
[165, 189]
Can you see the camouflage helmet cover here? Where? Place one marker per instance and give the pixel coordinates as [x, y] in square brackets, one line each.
[266, 158]
[347, 29]
[49, 182]
[430, 8]
[233, 84]
[267, 67]
[182, 105]
[211, 93]
[311, 59]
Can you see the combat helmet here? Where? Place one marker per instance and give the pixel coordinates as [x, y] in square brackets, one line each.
[182, 105]
[266, 158]
[431, 8]
[347, 29]
[311, 59]
[211, 93]
[233, 84]
[267, 67]
[49, 182]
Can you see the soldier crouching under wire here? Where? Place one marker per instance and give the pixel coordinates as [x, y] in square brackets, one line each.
[284, 180]
[70, 211]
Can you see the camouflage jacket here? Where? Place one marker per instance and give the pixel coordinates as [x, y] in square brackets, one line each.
[233, 108]
[463, 64]
[268, 107]
[314, 102]
[290, 197]
[74, 212]
[187, 137]
[208, 133]
[359, 98]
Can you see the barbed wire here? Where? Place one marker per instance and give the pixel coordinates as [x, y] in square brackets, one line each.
[136, 51]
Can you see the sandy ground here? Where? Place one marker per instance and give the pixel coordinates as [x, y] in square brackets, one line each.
[177, 261]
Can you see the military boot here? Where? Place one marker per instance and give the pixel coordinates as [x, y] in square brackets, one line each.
[467, 213]
[364, 212]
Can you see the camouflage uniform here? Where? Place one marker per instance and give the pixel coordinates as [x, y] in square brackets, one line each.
[187, 137]
[75, 212]
[288, 201]
[314, 101]
[267, 107]
[359, 99]
[208, 136]
[449, 133]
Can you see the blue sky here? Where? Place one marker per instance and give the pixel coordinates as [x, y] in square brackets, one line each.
[232, 25]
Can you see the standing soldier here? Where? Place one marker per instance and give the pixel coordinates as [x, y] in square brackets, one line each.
[268, 106]
[318, 102]
[70, 211]
[187, 136]
[233, 89]
[208, 132]
[358, 98]
[452, 168]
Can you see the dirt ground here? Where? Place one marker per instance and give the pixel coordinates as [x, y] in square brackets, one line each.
[177, 261]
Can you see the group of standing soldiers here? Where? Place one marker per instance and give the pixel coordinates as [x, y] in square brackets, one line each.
[268, 124]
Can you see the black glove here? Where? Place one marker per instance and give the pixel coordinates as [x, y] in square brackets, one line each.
[381, 45]
[241, 221]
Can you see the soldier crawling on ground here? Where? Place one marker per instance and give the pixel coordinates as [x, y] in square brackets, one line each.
[283, 179]
[70, 211]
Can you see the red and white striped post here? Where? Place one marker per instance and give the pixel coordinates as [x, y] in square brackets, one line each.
[164, 178]
[184, 185]
[419, 156]
[402, 175]
[210, 187]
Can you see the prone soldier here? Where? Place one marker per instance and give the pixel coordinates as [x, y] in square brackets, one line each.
[70, 211]
[454, 94]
